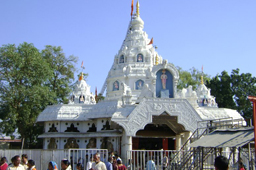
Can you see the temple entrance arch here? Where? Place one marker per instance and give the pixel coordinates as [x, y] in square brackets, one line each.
[160, 134]
[143, 114]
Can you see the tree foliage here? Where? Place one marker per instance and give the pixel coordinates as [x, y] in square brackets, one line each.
[63, 71]
[220, 86]
[29, 81]
[243, 85]
[231, 91]
[191, 77]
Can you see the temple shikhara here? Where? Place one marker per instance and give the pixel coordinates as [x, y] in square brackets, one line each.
[142, 109]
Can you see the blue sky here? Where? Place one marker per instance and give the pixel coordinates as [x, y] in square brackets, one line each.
[218, 34]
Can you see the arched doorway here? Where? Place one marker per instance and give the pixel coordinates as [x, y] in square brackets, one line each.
[160, 134]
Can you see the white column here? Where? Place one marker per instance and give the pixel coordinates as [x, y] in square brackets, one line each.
[126, 145]
[178, 142]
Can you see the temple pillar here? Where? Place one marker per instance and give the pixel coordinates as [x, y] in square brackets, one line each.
[125, 146]
[178, 142]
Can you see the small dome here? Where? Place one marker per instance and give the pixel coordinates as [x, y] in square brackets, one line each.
[137, 23]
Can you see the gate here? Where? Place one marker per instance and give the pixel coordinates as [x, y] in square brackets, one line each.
[83, 156]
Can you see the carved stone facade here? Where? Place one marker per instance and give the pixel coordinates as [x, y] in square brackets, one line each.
[142, 114]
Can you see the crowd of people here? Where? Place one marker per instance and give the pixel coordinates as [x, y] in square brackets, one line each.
[17, 163]
[114, 162]
[22, 163]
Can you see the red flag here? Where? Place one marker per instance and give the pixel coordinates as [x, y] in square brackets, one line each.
[82, 64]
[151, 41]
[80, 78]
[132, 8]
[202, 68]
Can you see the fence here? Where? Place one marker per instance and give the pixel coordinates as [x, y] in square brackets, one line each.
[138, 159]
[43, 157]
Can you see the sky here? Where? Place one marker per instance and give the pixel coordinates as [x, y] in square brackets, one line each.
[216, 34]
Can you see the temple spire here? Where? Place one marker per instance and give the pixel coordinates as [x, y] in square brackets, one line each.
[138, 9]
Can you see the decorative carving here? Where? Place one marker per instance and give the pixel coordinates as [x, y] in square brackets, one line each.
[52, 144]
[92, 143]
[106, 144]
[72, 128]
[142, 114]
[53, 129]
[106, 126]
[92, 128]
[71, 143]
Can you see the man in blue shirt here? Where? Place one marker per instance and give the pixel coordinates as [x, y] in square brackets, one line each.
[109, 163]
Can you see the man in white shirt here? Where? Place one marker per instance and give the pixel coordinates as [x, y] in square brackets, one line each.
[98, 165]
[16, 164]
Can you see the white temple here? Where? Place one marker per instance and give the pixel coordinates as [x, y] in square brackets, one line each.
[142, 109]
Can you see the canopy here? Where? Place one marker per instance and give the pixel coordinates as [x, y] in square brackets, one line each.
[221, 138]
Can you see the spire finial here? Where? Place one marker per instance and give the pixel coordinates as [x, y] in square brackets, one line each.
[202, 76]
[156, 62]
[138, 9]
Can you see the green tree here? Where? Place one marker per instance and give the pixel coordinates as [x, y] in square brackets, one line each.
[243, 85]
[191, 77]
[23, 94]
[231, 91]
[220, 86]
[63, 72]
[99, 97]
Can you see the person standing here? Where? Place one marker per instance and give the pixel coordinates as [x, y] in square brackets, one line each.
[109, 163]
[89, 164]
[151, 165]
[98, 165]
[24, 161]
[52, 166]
[114, 164]
[120, 165]
[31, 165]
[79, 166]
[65, 165]
[16, 164]
[221, 163]
[3, 165]
[165, 161]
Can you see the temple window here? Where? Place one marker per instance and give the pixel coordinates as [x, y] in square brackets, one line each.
[116, 86]
[139, 84]
[140, 58]
[72, 98]
[121, 59]
[81, 99]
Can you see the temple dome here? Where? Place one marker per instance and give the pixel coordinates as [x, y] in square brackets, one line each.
[137, 23]
[82, 94]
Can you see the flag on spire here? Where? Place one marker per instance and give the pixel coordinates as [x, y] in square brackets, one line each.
[81, 77]
[132, 8]
[202, 68]
[82, 65]
[151, 41]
